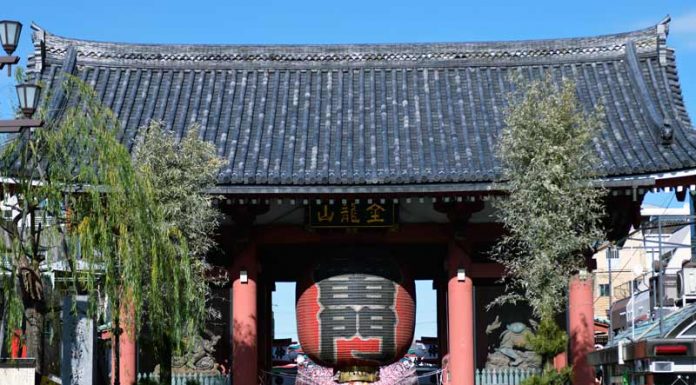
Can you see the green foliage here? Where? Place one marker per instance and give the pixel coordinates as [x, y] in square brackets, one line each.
[193, 382]
[78, 203]
[553, 208]
[548, 340]
[550, 377]
[180, 172]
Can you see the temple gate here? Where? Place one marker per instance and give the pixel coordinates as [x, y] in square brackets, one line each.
[339, 149]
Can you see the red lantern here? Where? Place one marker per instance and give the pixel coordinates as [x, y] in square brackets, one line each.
[356, 314]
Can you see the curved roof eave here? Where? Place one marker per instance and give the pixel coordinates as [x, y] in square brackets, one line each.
[382, 118]
[497, 52]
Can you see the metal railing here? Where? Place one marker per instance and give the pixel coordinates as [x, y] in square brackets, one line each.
[512, 376]
[191, 378]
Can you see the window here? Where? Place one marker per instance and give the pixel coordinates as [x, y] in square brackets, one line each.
[688, 332]
[613, 253]
[604, 289]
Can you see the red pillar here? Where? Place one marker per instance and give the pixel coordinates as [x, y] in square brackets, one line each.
[127, 350]
[18, 349]
[581, 328]
[560, 361]
[244, 318]
[460, 305]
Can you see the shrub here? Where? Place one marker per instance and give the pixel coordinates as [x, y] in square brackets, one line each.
[148, 381]
[550, 377]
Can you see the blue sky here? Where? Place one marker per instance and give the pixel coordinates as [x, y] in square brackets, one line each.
[353, 21]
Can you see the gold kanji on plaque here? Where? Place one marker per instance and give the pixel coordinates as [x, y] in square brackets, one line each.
[326, 215]
[345, 214]
[349, 213]
[375, 212]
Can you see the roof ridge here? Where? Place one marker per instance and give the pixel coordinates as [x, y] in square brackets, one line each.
[635, 76]
[56, 45]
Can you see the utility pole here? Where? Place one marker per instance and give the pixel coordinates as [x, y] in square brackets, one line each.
[610, 255]
[660, 277]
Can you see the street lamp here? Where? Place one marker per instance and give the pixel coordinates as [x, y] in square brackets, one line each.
[9, 38]
[29, 95]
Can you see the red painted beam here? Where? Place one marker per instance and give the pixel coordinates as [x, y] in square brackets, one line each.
[678, 181]
[410, 233]
[486, 270]
[406, 233]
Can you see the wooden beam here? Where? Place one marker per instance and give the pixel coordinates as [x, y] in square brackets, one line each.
[410, 233]
[492, 270]
[16, 125]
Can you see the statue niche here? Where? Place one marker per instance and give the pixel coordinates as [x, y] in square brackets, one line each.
[513, 350]
[199, 357]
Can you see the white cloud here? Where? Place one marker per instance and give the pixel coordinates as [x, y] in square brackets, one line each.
[683, 30]
[684, 24]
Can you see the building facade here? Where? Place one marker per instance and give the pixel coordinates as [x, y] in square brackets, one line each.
[665, 235]
[388, 150]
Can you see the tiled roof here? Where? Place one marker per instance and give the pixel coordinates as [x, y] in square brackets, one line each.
[396, 116]
[651, 329]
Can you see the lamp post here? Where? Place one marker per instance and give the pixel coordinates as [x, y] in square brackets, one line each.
[29, 94]
[9, 38]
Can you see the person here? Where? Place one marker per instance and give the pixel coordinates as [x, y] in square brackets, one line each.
[599, 375]
[224, 367]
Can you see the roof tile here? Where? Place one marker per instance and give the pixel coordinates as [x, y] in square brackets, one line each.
[379, 114]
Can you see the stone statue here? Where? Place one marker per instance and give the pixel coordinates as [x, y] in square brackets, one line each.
[199, 356]
[513, 349]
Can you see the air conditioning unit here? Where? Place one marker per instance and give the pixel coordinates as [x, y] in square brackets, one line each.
[686, 283]
[671, 294]
[662, 367]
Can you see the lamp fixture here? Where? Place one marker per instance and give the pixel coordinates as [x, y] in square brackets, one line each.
[28, 95]
[461, 275]
[9, 39]
[9, 35]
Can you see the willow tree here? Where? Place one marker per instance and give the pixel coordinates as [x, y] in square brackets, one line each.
[180, 172]
[553, 210]
[76, 200]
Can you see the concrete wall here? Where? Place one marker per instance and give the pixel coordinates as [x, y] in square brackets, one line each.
[78, 366]
[17, 372]
[631, 255]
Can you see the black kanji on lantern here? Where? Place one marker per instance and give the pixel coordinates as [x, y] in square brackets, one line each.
[358, 309]
[358, 316]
